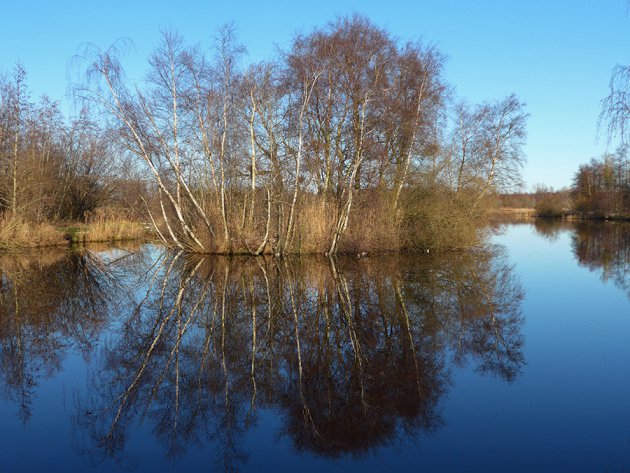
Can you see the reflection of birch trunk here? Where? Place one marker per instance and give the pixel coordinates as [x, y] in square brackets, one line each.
[253, 361]
[305, 409]
[20, 364]
[270, 306]
[124, 397]
[345, 304]
[327, 338]
[176, 350]
[223, 303]
[405, 314]
[181, 331]
[208, 335]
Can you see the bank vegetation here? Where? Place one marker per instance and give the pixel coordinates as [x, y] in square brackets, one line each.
[348, 141]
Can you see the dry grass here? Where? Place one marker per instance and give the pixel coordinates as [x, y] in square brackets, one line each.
[106, 226]
[314, 227]
[424, 219]
[525, 211]
[512, 215]
[17, 233]
[373, 226]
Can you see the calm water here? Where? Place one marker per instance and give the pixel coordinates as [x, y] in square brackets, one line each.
[512, 357]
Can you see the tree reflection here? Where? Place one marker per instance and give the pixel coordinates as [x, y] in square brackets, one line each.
[605, 248]
[49, 302]
[352, 352]
[551, 228]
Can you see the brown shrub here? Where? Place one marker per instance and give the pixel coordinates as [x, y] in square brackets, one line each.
[440, 220]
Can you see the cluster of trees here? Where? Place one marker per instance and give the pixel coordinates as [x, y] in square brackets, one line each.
[346, 142]
[51, 168]
[602, 187]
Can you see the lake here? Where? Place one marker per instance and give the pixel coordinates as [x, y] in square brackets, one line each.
[514, 356]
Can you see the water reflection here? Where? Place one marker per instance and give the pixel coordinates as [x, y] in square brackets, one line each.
[349, 352]
[605, 248]
[602, 247]
[551, 228]
[48, 302]
[352, 354]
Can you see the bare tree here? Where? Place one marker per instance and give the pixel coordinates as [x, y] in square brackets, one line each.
[277, 157]
[486, 150]
[615, 108]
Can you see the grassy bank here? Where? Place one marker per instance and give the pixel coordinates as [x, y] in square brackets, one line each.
[423, 220]
[16, 233]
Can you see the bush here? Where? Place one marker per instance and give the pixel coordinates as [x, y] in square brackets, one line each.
[549, 207]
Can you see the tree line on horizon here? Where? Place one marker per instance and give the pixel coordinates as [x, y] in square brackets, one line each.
[600, 189]
[348, 141]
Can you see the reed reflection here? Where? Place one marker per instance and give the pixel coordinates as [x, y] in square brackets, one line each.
[352, 353]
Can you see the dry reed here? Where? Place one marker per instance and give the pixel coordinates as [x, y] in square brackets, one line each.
[17, 233]
[108, 226]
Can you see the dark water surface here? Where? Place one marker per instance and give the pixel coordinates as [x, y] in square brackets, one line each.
[512, 357]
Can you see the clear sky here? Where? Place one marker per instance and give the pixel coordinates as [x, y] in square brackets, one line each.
[556, 55]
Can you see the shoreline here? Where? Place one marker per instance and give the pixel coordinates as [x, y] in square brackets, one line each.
[570, 215]
[69, 236]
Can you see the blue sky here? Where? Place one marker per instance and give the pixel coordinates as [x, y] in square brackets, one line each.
[555, 55]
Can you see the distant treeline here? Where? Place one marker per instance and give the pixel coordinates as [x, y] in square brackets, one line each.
[542, 202]
[600, 189]
[348, 141]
